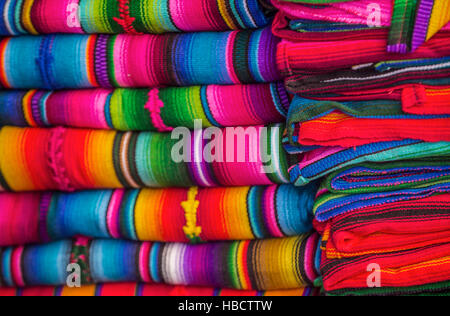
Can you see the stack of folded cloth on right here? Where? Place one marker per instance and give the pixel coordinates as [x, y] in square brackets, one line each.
[373, 120]
[103, 167]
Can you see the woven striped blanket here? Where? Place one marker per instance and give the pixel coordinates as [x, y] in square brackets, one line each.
[431, 289]
[425, 269]
[372, 185]
[303, 109]
[85, 61]
[381, 76]
[339, 129]
[406, 23]
[71, 159]
[269, 264]
[139, 289]
[324, 57]
[167, 215]
[320, 162]
[146, 109]
[388, 227]
[19, 17]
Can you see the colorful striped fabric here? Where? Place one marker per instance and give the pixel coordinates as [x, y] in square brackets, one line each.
[416, 21]
[324, 57]
[166, 215]
[320, 162]
[270, 264]
[139, 289]
[431, 289]
[370, 185]
[71, 159]
[146, 109]
[125, 16]
[383, 75]
[411, 22]
[390, 227]
[389, 176]
[318, 2]
[305, 109]
[349, 12]
[403, 271]
[361, 19]
[339, 129]
[422, 100]
[408, 101]
[55, 62]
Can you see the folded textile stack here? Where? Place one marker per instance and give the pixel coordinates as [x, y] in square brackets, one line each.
[138, 159]
[371, 119]
[405, 24]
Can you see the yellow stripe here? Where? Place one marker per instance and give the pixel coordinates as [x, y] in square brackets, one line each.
[148, 215]
[240, 268]
[432, 263]
[225, 16]
[26, 106]
[235, 213]
[440, 16]
[12, 163]
[26, 17]
[99, 159]
[85, 290]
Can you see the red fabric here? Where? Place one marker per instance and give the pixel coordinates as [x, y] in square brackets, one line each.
[388, 228]
[280, 27]
[403, 269]
[339, 129]
[426, 101]
[312, 57]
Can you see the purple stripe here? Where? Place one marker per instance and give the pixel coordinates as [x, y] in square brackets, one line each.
[35, 108]
[43, 211]
[101, 61]
[422, 23]
[397, 48]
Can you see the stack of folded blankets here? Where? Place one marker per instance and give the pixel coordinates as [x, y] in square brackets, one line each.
[370, 117]
[92, 94]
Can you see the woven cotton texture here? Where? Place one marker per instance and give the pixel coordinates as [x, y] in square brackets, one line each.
[87, 61]
[167, 215]
[270, 264]
[144, 290]
[146, 109]
[129, 16]
[322, 161]
[72, 159]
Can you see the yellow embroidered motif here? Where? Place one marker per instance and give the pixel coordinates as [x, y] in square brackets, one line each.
[191, 230]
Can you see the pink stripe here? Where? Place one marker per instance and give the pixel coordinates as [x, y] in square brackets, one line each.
[317, 154]
[270, 213]
[120, 67]
[16, 266]
[353, 12]
[310, 254]
[229, 57]
[113, 213]
[144, 257]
